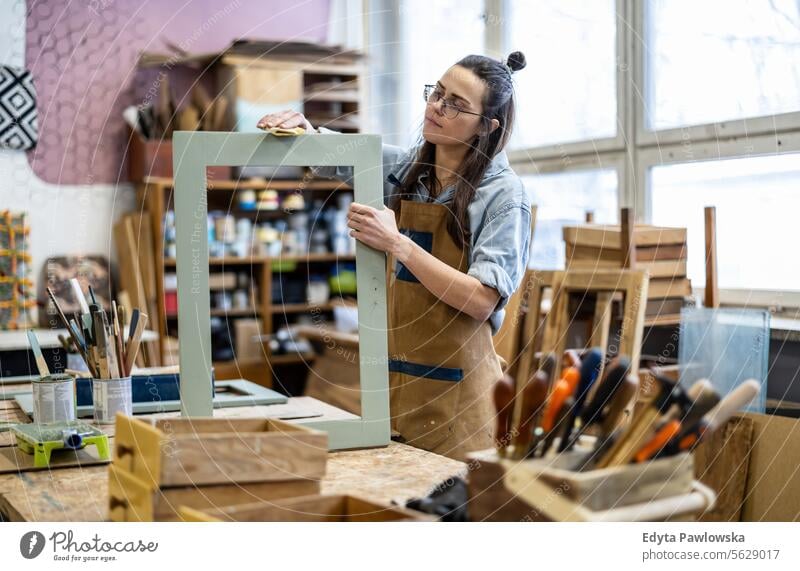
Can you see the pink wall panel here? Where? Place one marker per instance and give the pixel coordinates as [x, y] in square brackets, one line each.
[83, 57]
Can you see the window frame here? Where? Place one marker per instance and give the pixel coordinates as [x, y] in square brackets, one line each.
[636, 149]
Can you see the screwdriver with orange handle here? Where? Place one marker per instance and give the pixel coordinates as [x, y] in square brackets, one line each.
[658, 441]
[562, 390]
[590, 369]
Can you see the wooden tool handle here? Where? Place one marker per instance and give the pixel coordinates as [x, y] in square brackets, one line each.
[534, 396]
[625, 394]
[737, 399]
[504, 404]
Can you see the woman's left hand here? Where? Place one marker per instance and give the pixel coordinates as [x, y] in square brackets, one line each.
[375, 228]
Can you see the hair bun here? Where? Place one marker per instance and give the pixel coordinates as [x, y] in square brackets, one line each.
[516, 61]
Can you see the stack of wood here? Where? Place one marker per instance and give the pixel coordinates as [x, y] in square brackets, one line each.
[659, 250]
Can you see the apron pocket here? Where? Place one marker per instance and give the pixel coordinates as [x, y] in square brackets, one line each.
[426, 407]
[437, 372]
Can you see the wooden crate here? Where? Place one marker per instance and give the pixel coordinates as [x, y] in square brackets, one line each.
[310, 508]
[153, 158]
[133, 499]
[549, 490]
[202, 451]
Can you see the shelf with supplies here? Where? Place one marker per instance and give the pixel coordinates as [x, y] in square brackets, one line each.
[276, 283]
[279, 245]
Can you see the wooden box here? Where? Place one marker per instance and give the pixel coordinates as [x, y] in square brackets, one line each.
[133, 499]
[173, 452]
[153, 158]
[550, 490]
[308, 509]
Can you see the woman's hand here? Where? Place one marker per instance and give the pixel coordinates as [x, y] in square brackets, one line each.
[286, 120]
[375, 228]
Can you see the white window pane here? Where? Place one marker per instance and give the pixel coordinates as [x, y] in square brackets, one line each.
[568, 90]
[719, 60]
[432, 45]
[563, 199]
[757, 204]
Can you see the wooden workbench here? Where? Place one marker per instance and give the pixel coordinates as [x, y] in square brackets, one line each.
[397, 472]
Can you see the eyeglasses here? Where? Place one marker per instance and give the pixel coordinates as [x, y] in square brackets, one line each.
[450, 110]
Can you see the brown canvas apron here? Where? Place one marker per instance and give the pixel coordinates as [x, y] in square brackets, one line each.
[442, 363]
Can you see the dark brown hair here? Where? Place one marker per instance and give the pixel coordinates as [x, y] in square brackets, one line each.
[498, 103]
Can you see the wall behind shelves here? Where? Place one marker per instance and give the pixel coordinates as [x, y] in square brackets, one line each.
[82, 55]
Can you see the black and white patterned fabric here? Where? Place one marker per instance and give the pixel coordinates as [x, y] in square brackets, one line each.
[18, 123]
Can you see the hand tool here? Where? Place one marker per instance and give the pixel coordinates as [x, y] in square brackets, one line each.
[101, 344]
[705, 399]
[642, 427]
[590, 368]
[625, 394]
[612, 428]
[41, 364]
[533, 397]
[504, 404]
[658, 441]
[594, 411]
[135, 339]
[562, 390]
[720, 414]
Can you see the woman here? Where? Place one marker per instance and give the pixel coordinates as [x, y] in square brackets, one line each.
[457, 235]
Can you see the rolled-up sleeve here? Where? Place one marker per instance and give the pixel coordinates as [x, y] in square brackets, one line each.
[391, 156]
[500, 249]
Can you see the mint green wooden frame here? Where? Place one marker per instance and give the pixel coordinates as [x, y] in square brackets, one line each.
[192, 153]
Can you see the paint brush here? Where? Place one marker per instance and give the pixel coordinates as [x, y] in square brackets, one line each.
[41, 364]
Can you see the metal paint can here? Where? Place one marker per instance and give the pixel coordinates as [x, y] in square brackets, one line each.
[110, 396]
[53, 398]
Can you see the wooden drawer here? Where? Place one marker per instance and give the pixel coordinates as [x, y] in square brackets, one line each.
[309, 508]
[201, 451]
[132, 499]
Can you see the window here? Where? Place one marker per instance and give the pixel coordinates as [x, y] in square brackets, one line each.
[757, 204]
[568, 90]
[431, 47]
[719, 60]
[563, 199]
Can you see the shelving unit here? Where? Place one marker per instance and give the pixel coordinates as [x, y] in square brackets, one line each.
[329, 92]
[155, 196]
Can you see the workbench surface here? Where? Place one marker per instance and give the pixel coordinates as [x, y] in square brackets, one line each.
[397, 472]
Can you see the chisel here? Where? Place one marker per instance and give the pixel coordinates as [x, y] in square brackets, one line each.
[642, 427]
[533, 397]
[590, 368]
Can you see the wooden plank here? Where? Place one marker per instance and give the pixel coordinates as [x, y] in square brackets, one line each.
[627, 244]
[662, 287]
[722, 462]
[609, 236]
[712, 285]
[773, 480]
[608, 254]
[658, 269]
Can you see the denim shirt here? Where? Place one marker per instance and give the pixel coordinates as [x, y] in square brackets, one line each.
[499, 216]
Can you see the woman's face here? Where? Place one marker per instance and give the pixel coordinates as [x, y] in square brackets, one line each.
[461, 88]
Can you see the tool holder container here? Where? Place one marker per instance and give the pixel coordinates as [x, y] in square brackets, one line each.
[551, 489]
